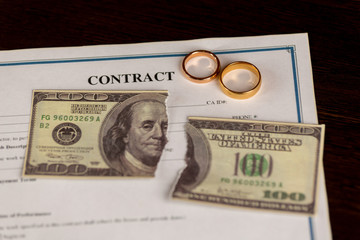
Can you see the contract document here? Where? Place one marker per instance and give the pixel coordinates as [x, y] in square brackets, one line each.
[142, 208]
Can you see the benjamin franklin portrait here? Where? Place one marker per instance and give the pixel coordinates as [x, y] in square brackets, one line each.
[135, 135]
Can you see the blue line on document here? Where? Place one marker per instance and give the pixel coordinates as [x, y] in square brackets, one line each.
[311, 229]
[49, 61]
[297, 96]
[253, 50]
[89, 59]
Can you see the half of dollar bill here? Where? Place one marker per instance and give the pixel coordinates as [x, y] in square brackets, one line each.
[254, 164]
[96, 133]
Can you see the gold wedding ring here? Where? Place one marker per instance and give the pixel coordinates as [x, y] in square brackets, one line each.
[201, 79]
[241, 94]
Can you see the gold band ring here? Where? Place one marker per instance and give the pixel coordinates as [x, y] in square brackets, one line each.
[201, 53]
[242, 94]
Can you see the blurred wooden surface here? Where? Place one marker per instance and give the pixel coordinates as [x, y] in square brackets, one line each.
[333, 28]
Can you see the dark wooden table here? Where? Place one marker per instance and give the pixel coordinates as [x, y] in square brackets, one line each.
[333, 28]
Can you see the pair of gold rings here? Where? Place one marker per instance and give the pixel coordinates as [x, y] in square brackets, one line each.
[231, 77]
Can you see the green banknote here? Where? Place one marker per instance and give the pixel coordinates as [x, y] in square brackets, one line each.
[253, 164]
[96, 133]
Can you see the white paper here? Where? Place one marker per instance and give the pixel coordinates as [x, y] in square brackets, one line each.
[142, 208]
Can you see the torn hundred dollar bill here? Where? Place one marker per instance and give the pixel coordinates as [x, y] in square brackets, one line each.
[96, 133]
[254, 164]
